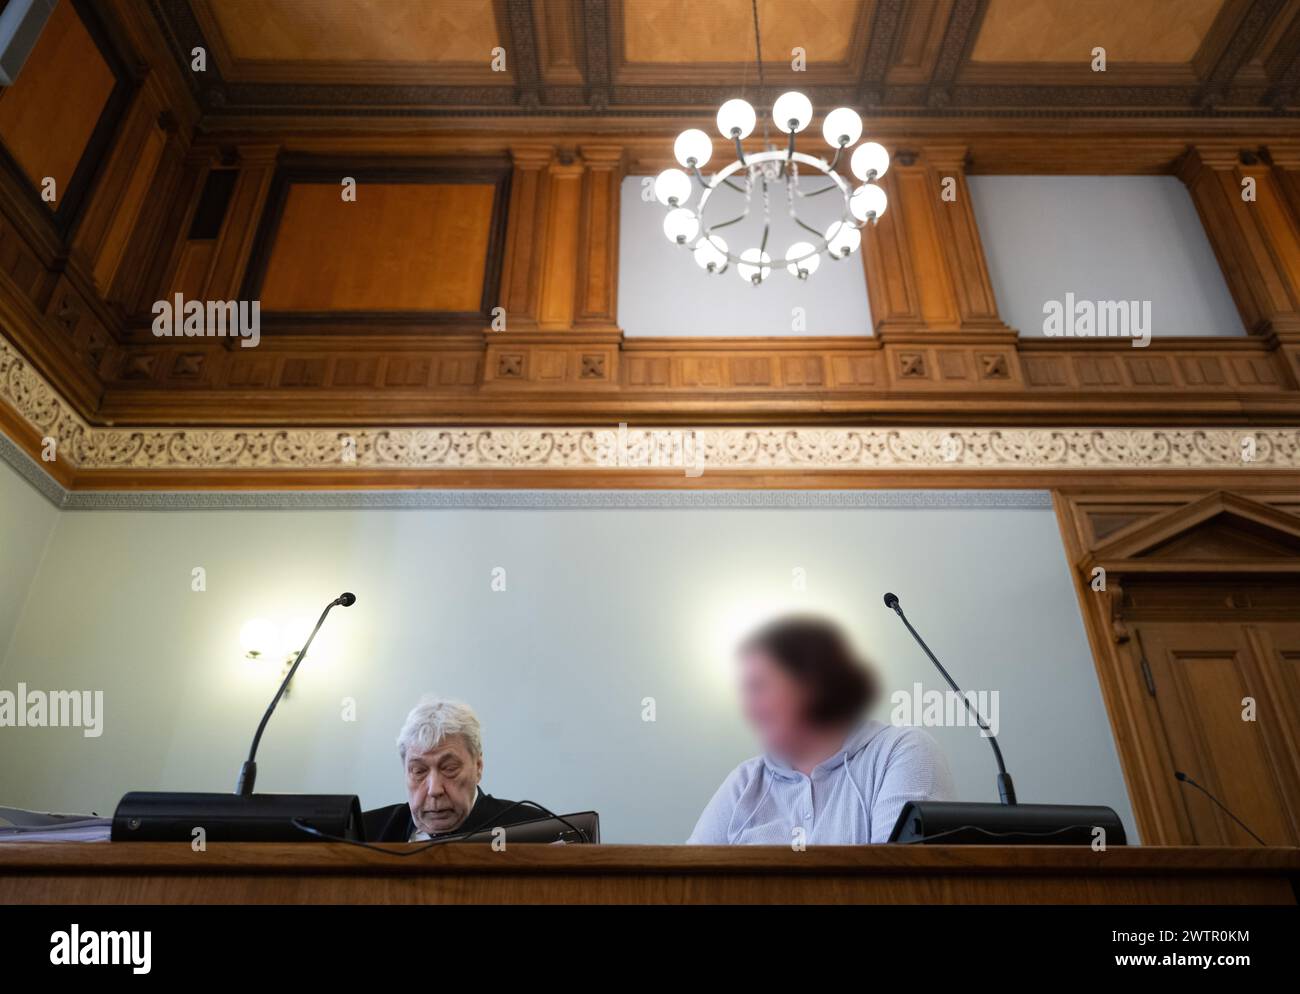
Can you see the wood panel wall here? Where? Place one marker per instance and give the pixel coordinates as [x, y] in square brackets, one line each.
[49, 114]
[397, 247]
[941, 349]
[76, 292]
[69, 277]
[78, 303]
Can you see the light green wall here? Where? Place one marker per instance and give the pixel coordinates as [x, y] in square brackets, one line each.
[603, 608]
[26, 523]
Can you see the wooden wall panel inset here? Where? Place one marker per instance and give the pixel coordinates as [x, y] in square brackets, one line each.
[561, 263]
[914, 194]
[597, 300]
[559, 270]
[49, 114]
[525, 248]
[239, 229]
[115, 230]
[191, 274]
[1285, 157]
[160, 276]
[135, 286]
[890, 281]
[924, 259]
[959, 234]
[1257, 242]
[1206, 670]
[399, 247]
[113, 248]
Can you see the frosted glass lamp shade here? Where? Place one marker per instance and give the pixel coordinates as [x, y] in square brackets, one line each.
[842, 239]
[672, 188]
[681, 225]
[868, 202]
[869, 161]
[755, 265]
[842, 127]
[734, 116]
[711, 250]
[792, 111]
[693, 148]
[802, 260]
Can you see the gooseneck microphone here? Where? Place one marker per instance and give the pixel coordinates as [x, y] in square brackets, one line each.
[1182, 777]
[1006, 789]
[1009, 823]
[248, 772]
[164, 816]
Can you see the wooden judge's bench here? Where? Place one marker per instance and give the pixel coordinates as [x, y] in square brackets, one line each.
[307, 873]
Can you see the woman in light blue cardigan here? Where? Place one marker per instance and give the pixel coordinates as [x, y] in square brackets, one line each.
[828, 775]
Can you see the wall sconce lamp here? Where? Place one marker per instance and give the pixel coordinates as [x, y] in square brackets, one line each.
[263, 640]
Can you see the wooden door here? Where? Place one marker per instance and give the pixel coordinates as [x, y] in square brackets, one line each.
[1228, 697]
[1192, 604]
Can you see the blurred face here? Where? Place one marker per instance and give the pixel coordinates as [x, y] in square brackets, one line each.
[773, 702]
[441, 784]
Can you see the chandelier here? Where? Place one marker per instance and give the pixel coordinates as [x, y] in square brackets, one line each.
[760, 176]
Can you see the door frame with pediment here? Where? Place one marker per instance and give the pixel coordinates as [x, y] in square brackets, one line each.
[1116, 540]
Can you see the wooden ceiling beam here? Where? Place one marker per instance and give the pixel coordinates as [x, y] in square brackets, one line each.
[886, 22]
[995, 147]
[1283, 68]
[958, 39]
[597, 58]
[1218, 79]
[519, 38]
[1241, 24]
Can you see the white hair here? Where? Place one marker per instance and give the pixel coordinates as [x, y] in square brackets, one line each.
[432, 721]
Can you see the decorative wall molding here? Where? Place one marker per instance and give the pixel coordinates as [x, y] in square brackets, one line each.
[514, 500]
[619, 448]
[26, 467]
[577, 375]
[558, 500]
[685, 448]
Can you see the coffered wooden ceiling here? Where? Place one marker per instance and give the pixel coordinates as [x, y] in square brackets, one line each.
[633, 58]
[353, 41]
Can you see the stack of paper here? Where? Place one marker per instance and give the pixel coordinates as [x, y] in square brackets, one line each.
[18, 825]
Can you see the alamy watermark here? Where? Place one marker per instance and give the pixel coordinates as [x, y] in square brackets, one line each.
[660, 448]
[25, 708]
[1073, 318]
[91, 948]
[181, 318]
[944, 708]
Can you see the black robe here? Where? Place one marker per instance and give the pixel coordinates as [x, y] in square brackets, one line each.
[394, 823]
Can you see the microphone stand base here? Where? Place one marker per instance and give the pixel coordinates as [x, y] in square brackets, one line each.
[949, 823]
[144, 816]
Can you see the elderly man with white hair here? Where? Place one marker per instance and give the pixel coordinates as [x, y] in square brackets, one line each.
[441, 746]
